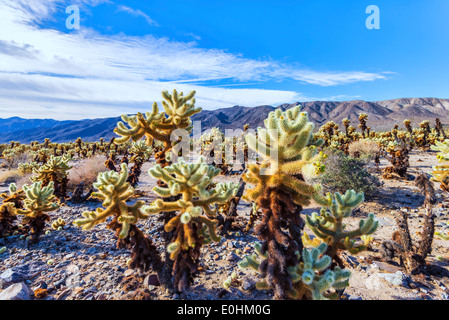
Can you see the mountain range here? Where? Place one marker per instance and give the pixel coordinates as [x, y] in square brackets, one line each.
[382, 115]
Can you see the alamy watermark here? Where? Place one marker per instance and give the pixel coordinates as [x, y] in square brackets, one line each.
[73, 20]
[373, 20]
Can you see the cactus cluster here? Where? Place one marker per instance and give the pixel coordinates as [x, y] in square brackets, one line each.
[441, 172]
[38, 202]
[194, 223]
[286, 147]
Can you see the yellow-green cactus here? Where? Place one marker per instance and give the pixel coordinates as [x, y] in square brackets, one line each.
[58, 224]
[159, 125]
[329, 226]
[192, 182]
[441, 172]
[54, 170]
[140, 151]
[114, 191]
[193, 224]
[39, 200]
[12, 201]
[312, 278]
[28, 167]
[287, 151]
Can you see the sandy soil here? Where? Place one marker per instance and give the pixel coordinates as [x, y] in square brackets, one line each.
[76, 264]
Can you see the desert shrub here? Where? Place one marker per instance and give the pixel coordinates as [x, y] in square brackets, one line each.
[23, 179]
[86, 170]
[364, 148]
[9, 176]
[343, 172]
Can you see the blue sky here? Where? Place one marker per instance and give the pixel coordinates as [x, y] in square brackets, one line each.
[231, 52]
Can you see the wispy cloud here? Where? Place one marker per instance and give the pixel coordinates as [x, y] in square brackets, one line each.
[87, 74]
[137, 13]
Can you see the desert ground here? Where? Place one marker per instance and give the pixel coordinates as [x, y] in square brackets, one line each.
[73, 264]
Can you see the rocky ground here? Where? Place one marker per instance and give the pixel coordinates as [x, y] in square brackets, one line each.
[73, 264]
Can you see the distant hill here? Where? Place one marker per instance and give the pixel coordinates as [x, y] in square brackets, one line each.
[89, 130]
[382, 115]
[20, 124]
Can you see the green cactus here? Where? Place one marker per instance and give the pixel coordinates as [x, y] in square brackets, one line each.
[39, 200]
[193, 223]
[28, 167]
[54, 170]
[12, 201]
[328, 225]
[312, 277]
[287, 147]
[159, 125]
[441, 172]
[114, 191]
[58, 224]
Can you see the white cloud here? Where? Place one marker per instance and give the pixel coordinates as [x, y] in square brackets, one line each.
[138, 13]
[85, 74]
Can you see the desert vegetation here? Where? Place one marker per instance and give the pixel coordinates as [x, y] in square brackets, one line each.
[298, 215]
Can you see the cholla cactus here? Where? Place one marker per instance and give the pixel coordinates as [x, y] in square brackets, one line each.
[441, 172]
[363, 117]
[28, 167]
[39, 200]
[328, 225]
[282, 194]
[318, 272]
[56, 171]
[140, 153]
[15, 196]
[193, 224]
[312, 277]
[58, 224]
[12, 201]
[408, 126]
[154, 125]
[114, 191]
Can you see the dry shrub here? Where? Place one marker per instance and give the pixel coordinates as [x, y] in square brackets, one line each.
[343, 172]
[363, 148]
[9, 176]
[24, 179]
[86, 170]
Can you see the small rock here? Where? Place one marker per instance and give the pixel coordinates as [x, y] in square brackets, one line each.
[248, 283]
[232, 257]
[17, 291]
[70, 256]
[63, 293]
[11, 276]
[398, 278]
[151, 280]
[372, 268]
[128, 272]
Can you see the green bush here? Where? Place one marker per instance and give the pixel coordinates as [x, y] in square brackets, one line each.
[343, 172]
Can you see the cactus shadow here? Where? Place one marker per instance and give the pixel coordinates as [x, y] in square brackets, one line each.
[395, 197]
